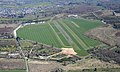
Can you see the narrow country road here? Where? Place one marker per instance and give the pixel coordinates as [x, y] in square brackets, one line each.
[19, 47]
[25, 58]
[15, 31]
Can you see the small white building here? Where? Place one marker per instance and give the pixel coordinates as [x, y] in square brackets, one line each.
[14, 54]
[72, 15]
[41, 22]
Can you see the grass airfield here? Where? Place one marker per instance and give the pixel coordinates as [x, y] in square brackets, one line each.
[63, 33]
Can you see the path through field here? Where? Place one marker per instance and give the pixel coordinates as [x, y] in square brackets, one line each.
[14, 32]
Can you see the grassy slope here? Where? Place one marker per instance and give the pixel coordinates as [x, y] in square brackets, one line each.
[84, 26]
[41, 33]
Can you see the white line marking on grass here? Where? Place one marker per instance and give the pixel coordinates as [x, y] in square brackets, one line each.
[75, 24]
[61, 30]
[57, 35]
[76, 37]
[67, 37]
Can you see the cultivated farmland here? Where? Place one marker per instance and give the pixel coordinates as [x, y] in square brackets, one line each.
[63, 33]
[12, 70]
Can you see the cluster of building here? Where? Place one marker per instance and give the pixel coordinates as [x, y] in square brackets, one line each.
[15, 12]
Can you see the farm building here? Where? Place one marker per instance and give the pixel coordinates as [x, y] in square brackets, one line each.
[72, 15]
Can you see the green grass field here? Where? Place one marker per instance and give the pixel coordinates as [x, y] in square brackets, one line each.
[12, 71]
[61, 33]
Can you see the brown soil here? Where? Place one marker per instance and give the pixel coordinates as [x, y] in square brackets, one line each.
[68, 51]
[43, 66]
[12, 64]
[117, 34]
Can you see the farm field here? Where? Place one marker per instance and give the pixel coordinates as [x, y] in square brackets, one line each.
[98, 70]
[63, 33]
[12, 65]
[12, 70]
